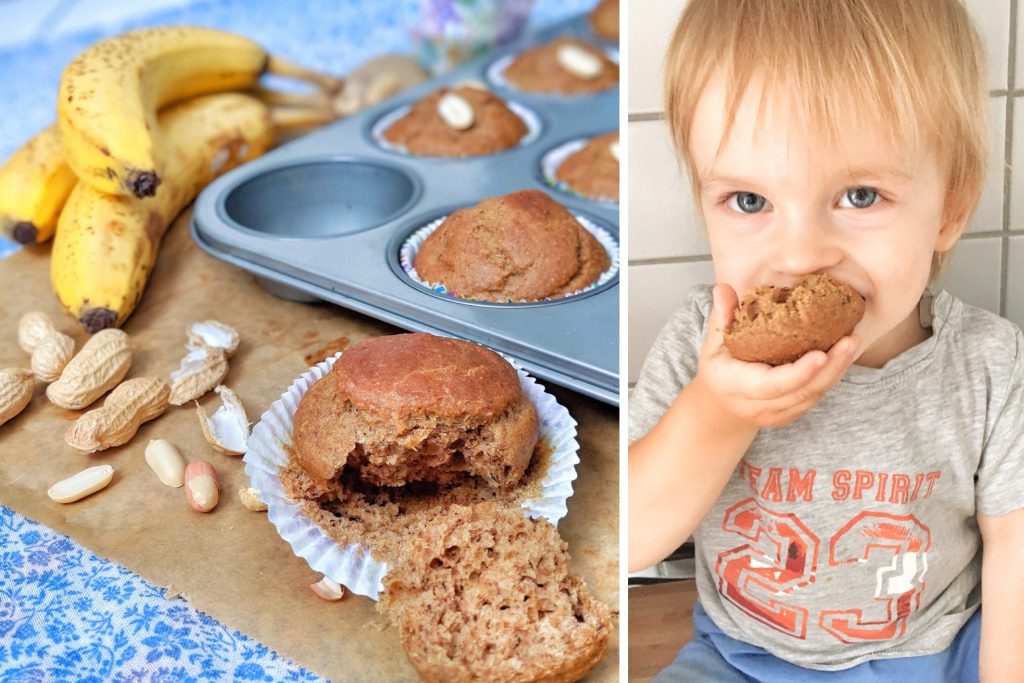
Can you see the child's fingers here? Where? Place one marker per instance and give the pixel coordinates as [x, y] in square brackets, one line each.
[783, 380]
[723, 307]
[840, 356]
[804, 386]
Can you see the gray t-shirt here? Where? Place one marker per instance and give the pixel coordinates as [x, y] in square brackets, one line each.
[850, 534]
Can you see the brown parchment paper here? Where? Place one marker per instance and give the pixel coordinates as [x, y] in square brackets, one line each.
[231, 564]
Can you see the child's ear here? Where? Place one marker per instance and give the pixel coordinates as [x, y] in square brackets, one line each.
[953, 225]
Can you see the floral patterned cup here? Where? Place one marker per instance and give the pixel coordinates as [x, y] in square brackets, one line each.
[448, 32]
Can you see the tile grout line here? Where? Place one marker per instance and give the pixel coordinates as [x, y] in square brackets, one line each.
[1004, 271]
[640, 117]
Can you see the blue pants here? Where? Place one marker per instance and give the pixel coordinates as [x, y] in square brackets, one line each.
[714, 657]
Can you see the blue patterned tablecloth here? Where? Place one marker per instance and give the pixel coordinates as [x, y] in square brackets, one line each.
[66, 614]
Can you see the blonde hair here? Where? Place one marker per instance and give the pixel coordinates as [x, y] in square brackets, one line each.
[915, 66]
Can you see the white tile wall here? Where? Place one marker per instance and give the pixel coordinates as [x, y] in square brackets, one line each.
[965, 272]
[655, 291]
[663, 218]
[1017, 164]
[664, 263]
[1015, 282]
[992, 17]
[989, 214]
[650, 28]
[1020, 45]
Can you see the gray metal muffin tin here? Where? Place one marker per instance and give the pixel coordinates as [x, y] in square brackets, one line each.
[324, 218]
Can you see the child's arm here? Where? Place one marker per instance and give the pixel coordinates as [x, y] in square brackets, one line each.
[681, 466]
[1002, 598]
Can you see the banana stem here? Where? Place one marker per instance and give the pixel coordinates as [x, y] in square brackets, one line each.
[283, 67]
[289, 118]
[270, 97]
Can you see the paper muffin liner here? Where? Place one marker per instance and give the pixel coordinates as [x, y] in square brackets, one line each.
[353, 565]
[527, 115]
[550, 162]
[496, 75]
[413, 243]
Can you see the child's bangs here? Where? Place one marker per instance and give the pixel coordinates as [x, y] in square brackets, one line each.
[887, 66]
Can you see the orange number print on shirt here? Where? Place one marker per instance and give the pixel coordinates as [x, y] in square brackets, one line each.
[781, 555]
[900, 582]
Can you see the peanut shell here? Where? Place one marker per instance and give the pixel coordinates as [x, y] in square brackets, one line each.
[119, 418]
[16, 388]
[102, 363]
[202, 368]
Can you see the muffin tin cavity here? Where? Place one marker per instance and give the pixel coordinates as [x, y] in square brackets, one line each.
[323, 198]
[528, 116]
[328, 213]
[404, 255]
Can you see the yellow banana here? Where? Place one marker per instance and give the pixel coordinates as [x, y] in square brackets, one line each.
[34, 184]
[106, 245]
[110, 94]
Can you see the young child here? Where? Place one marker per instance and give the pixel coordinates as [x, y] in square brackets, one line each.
[838, 503]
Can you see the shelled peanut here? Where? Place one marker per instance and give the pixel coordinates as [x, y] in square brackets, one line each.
[202, 487]
[85, 483]
[166, 462]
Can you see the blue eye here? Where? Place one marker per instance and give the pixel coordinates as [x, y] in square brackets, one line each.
[859, 198]
[746, 202]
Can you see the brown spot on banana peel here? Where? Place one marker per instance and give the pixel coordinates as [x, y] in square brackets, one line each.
[142, 183]
[96, 319]
[25, 232]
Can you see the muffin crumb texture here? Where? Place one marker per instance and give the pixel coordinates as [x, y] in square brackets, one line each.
[778, 325]
[416, 407]
[422, 450]
[487, 594]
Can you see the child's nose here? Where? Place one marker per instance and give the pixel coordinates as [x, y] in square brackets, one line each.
[803, 247]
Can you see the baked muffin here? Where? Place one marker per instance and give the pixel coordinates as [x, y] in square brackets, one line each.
[486, 594]
[777, 325]
[492, 126]
[416, 407]
[567, 66]
[594, 170]
[524, 246]
[605, 20]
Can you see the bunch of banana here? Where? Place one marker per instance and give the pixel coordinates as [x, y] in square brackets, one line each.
[34, 184]
[139, 133]
[106, 245]
[110, 95]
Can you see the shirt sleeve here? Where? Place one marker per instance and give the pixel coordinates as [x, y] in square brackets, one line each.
[999, 481]
[670, 364]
